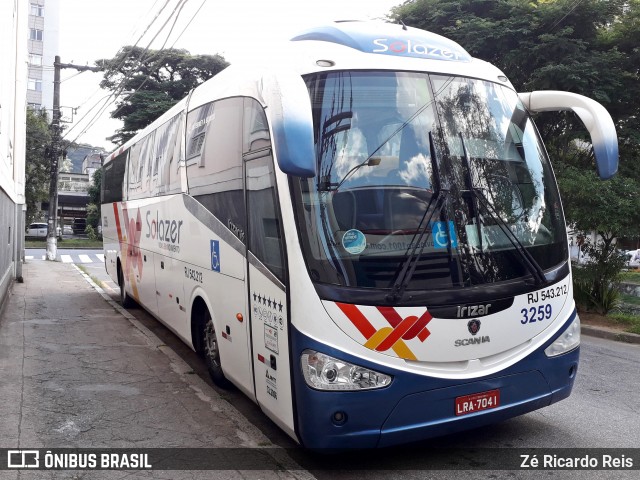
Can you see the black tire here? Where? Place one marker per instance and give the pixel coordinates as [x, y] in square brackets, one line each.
[211, 351]
[125, 298]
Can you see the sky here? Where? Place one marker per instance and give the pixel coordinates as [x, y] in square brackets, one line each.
[239, 30]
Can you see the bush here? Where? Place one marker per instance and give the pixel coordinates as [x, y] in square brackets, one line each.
[596, 284]
[91, 233]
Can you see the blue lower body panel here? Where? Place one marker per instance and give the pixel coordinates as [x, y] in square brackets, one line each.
[415, 407]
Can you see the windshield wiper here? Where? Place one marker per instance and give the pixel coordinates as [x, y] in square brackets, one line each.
[478, 197]
[403, 277]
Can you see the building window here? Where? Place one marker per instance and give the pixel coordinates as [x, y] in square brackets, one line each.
[35, 60]
[37, 10]
[34, 84]
[35, 34]
[34, 106]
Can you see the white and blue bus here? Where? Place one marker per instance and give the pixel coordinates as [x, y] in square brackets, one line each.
[363, 235]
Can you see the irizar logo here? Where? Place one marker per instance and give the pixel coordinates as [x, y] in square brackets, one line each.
[472, 310]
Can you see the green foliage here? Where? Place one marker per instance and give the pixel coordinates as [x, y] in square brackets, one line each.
[596, 284]
[65, 242]
[94, 215]
[631, 277]
[158, 78]
[629, 299]
[91, 232]
[93, 220]
[37, 162]
[590, 49]
[611, 208]
[629, 319]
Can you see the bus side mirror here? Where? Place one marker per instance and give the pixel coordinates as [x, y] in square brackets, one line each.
[594, 116]
[289, 112]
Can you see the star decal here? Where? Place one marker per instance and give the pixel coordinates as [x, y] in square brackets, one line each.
[268, 301]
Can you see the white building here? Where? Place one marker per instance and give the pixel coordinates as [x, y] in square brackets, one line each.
[43, 41]
[91, 163]
[13, 97]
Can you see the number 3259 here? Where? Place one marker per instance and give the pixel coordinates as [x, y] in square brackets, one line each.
[535, 314]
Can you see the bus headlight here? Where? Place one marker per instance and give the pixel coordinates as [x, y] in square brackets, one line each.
[566, 342]
[323, 372]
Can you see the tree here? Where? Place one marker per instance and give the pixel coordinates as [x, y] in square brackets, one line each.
[590, 48]
[94, 215]
[158, 80]
[37, 162]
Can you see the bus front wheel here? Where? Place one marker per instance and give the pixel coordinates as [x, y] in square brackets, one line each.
[212, 352]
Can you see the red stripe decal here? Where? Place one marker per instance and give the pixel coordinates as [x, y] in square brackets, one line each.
[358, 319]
[118, 227]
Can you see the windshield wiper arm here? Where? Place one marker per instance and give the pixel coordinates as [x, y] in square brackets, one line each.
[530, 263]
[403, 277]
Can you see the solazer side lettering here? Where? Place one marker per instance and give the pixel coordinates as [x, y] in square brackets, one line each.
[163, 230]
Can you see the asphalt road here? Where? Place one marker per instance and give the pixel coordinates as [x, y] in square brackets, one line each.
[602, 412]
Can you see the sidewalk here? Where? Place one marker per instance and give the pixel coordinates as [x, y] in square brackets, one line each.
[75, 372]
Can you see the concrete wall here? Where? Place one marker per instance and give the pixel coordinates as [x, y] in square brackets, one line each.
[13, 95]
[9, 225]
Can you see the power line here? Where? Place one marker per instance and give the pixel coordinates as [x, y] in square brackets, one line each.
[120, 87]
[149, 25]
[189, 23]
[571, 9]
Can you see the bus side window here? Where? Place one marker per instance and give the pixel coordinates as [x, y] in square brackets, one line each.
[214, 162]
[113, 179]
[265, 224]
[140, 168]
[166, 137]
[175, 159]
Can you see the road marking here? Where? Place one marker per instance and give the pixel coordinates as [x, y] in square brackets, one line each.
[71, 258]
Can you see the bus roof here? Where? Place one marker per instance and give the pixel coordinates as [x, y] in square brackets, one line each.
[343, 45]
[387, 39]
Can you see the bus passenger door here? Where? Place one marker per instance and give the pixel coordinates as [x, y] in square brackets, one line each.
[145, 281]
[170, 295]
[268, 292]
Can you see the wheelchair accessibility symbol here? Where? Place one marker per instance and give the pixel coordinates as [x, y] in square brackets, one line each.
[443, 233]
[215, 255]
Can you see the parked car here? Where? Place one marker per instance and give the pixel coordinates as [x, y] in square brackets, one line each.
[79, 225]
[633, 258]
[39, 230]
[67, 230]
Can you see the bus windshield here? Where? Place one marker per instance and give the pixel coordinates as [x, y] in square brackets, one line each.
[447, 173]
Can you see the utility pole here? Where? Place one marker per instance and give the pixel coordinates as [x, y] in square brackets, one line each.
[56, 138]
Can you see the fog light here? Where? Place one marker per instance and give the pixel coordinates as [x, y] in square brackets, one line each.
[572, 371]
[339, 418]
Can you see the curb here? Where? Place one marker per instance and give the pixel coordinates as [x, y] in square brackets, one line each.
[610, 334]
[255, 438]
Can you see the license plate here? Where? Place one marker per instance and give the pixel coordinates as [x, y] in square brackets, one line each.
[477, 402]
